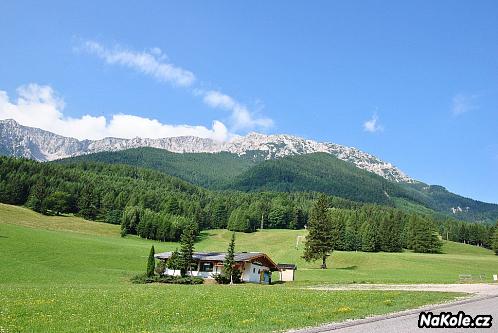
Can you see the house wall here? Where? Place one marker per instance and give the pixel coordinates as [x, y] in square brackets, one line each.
[205, 275]
[251, 272]
[168, 271]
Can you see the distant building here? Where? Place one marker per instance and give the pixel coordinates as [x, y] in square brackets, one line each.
[256, 267]
[286, 272]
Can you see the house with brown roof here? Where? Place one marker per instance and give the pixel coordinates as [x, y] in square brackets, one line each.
[256, 267]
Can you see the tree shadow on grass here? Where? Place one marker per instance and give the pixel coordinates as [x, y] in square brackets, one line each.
[203, 235]
[349, 268]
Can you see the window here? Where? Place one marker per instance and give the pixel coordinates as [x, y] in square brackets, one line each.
[254, 270]
[206, 267]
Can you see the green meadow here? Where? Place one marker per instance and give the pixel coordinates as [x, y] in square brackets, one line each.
[65, 274]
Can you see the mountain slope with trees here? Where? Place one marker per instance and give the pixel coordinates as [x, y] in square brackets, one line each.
[154, 205]
[209, 170]
[320, 172]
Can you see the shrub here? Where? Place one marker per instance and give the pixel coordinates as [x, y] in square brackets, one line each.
[225, 279]
[151, 262]
[161, 267]
[143, 279]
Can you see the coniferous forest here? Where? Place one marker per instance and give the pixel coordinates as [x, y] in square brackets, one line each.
[155, 205]
[317, 172]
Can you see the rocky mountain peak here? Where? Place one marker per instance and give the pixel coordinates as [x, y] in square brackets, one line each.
[34, 143]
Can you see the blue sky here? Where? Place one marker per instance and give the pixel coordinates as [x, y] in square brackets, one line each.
[415, 83]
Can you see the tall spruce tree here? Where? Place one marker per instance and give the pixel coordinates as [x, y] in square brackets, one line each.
[368, 237]
[423, 236]
[338, 229]
[174, 262]
[151, 262]
[37, 196]
[187, 249]
[352, 234]
[495, 240]
[319, 243]
[390, 232]
[229, 262]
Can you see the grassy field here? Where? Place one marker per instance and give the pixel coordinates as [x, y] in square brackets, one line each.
[64, 274]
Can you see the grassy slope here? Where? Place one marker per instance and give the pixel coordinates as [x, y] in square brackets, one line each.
[66, 274]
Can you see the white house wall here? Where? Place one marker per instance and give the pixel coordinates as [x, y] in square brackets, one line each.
[250, 272]
[287, 275]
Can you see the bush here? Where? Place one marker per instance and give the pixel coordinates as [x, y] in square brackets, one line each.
[221, 278]
[143, 279]
[160, 268]
[225, 279]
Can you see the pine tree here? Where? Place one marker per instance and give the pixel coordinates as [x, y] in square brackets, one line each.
[37, 196]
[319, 243]
[352, 234]
[151, 262]
[390, 235]
[240, 221]
[298, 219]
[57, 202]
[338, 229]
[220, 215]
[187, 249]
[88, 203]
[174, 262]
[424, 238]
[172, 206]
[229, 262]
[130, 220]
[368, 237]
[495, 240]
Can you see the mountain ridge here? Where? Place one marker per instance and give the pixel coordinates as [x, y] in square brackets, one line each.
[34, 143]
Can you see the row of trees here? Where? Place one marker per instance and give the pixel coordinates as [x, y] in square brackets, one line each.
[370, 228]
[495, 241]
[468, 233]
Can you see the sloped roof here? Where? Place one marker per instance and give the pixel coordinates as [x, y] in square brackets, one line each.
[286, 266]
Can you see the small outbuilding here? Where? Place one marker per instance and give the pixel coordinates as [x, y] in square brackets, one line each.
[286, 272]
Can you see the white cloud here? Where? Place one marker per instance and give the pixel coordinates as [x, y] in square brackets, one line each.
[241, 117]
[152, 64]
[39, 106]
[462, 103]
[372, 125]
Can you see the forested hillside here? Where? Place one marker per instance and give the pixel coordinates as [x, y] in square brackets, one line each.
[120, 193]
[318, 172]
[154, 205]
[210, 170]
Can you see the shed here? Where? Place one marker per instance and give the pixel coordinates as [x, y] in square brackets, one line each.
[286, 271]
